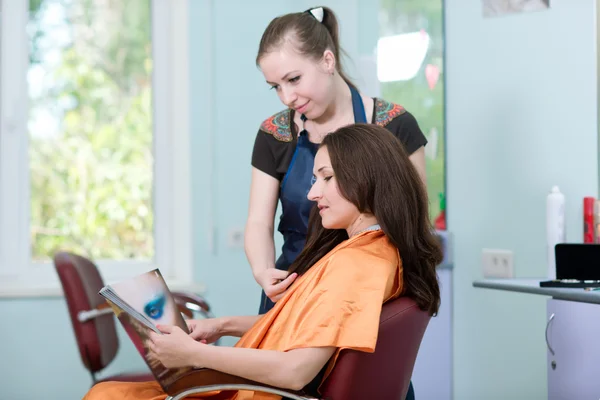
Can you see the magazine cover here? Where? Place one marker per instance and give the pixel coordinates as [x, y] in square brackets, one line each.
[140, 304]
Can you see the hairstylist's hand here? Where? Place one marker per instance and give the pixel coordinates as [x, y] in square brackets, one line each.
[275, 282]
[205, 330]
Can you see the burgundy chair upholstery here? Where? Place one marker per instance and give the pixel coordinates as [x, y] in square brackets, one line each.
[96, 334]
[384, 374]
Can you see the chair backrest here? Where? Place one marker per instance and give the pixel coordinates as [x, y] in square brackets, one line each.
[386, 373]
[96, 338]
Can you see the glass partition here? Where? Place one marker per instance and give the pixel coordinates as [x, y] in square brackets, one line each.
[410, 70]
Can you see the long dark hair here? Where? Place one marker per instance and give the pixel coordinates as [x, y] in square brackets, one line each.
[310, 37]
[374, 173]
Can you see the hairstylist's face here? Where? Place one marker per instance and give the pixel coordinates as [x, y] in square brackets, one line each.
[336, 212]
[301, 83]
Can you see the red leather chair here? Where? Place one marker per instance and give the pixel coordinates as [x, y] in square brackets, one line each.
[93, 320]
[384, 374]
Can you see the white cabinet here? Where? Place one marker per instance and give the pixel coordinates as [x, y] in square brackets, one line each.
[573, 350]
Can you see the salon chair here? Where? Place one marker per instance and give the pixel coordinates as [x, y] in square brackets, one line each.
[93, 320]
[382, 375]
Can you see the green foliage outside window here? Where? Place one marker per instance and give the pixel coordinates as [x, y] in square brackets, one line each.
[426, 104]
[91, 129]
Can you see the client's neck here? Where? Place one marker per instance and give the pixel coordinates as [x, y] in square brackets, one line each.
[362, 223]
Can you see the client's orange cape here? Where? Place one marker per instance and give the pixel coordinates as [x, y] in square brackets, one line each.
[336, 303]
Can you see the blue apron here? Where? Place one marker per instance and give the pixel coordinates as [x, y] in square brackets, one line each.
[295, 205]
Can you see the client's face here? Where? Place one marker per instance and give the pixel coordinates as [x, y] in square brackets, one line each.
[336, 212]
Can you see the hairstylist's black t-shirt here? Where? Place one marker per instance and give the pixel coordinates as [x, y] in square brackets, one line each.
[277, 137]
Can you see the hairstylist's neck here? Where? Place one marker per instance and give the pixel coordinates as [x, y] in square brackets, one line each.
[341, 102]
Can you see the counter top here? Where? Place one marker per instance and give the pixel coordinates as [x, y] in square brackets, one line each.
[532, 286]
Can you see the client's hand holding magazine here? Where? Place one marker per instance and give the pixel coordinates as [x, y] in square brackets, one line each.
[141, 303]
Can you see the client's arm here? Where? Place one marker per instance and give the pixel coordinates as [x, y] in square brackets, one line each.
[237, 326]
[293, 369]
[290, 370]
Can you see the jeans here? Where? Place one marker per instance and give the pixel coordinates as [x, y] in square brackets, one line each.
[410, 395]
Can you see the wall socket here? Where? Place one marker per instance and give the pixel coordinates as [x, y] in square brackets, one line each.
[497, 263]
[235, 238]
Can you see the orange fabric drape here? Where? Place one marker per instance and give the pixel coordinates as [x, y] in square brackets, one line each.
[336, 303]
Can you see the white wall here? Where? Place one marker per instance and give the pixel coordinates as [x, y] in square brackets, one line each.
[521, 117]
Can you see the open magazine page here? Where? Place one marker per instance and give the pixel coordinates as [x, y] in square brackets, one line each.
[149, 295]
[110, 296]
[141, 303]
[139, 333]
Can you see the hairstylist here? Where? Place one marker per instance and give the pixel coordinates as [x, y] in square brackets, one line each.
[299, 56]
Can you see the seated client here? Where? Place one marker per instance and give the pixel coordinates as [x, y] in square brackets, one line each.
[369, 241]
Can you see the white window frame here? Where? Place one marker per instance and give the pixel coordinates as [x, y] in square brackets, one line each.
[19, 275]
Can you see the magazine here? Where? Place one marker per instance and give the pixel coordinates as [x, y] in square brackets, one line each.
[141, 303]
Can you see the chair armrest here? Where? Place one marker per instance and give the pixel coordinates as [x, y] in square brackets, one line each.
[208, 380]
[188, 303]
[100, 310]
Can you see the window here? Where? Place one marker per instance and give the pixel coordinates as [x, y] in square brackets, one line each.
[93, 138]
[410, 68]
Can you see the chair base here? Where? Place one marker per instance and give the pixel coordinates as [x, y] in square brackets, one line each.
[226, 387]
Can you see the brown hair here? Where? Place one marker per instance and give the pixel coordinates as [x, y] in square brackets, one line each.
[374, 172]
[309, 36]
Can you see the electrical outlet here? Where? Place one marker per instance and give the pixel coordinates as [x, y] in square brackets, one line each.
[236, 238]
[497, 263]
